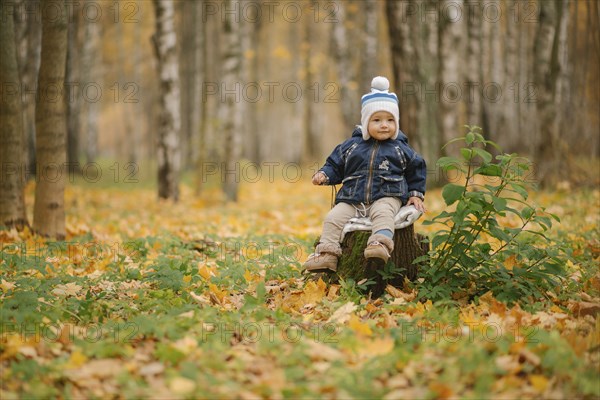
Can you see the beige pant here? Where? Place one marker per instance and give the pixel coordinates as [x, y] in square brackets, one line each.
[381, 213]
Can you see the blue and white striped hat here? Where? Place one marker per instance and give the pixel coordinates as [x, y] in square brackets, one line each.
[379, 99]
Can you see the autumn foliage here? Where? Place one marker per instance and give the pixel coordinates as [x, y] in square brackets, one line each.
[204, 299]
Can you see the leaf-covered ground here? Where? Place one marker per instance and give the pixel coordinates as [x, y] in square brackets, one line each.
[201, 299]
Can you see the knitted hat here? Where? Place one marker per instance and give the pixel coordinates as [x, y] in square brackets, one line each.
[378, 100]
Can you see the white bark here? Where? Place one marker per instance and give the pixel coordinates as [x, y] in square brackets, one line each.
[370, 63]
[513, 140]
[91, 59]
[548, 68]
[169, 158]
[473, 72]
[231, 110]
[350, 104]
[449, 47]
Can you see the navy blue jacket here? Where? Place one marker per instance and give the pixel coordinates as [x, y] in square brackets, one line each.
[372, 169]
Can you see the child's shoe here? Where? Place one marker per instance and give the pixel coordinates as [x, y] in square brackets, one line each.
[324, 259]
[379, 247]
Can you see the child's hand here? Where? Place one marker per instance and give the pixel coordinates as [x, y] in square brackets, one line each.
[319, 178]
[417, 202]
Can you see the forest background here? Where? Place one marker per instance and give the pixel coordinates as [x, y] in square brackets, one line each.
[109, 292]
[276, 82]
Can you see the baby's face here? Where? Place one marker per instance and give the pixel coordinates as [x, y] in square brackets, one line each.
[382, 125]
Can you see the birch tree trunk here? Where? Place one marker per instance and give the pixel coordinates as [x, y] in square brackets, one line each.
[198, 112]
[349, 103]
[208, 151]
[473, 72]
[248, 130]
[231, 110]
[370, 65]
[169, 158]
[12, 201]
[202, 143]
[495, 84]
[526, 109]
[310, 148]
[404, 63]
[510, 123]
[73, 86]
[91, 59]
[28, 30]
[126, 143]
[51, 130]
[449, 42]
[414, 42]
[547, 69]
[136, 131]
[189, 74]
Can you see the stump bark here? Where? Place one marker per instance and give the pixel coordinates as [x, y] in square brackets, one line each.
[352, 264]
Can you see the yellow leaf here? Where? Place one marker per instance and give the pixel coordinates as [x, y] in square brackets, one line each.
[377, 346]
[76, 360]
[510, 262]
[182, 386]
[6, 286]
[216, 292]
[250, 277]
[314, 292]
[556, 309]
[539, 382]
[470, 319]
[11, 344]
[187, 278]
[359, 327]
[206, 272]
[397, 294]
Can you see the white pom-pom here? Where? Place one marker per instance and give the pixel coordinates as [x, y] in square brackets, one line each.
[380, 83]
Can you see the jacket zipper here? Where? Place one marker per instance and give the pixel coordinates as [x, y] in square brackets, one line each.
[370, 178]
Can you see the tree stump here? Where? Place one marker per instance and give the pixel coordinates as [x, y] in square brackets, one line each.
[353, 265]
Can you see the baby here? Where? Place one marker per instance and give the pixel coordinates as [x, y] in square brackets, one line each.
[379, 173]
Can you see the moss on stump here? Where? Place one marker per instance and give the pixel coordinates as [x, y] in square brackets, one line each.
[353, 265]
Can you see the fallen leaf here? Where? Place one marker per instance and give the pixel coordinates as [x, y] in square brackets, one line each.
[6, 286]
[539, 382]
[359, 327]
[376, 347]
[508, 364]
[320, 351]
[76, 360]
[154, 368]
[182, 386]
[583, 308]
[342, 314]
[69, 289]
[202, 299]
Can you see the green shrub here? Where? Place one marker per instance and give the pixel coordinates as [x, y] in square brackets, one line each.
[474, 251]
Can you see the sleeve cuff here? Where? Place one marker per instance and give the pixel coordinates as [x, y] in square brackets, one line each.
[326, 176]
[414, 193]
